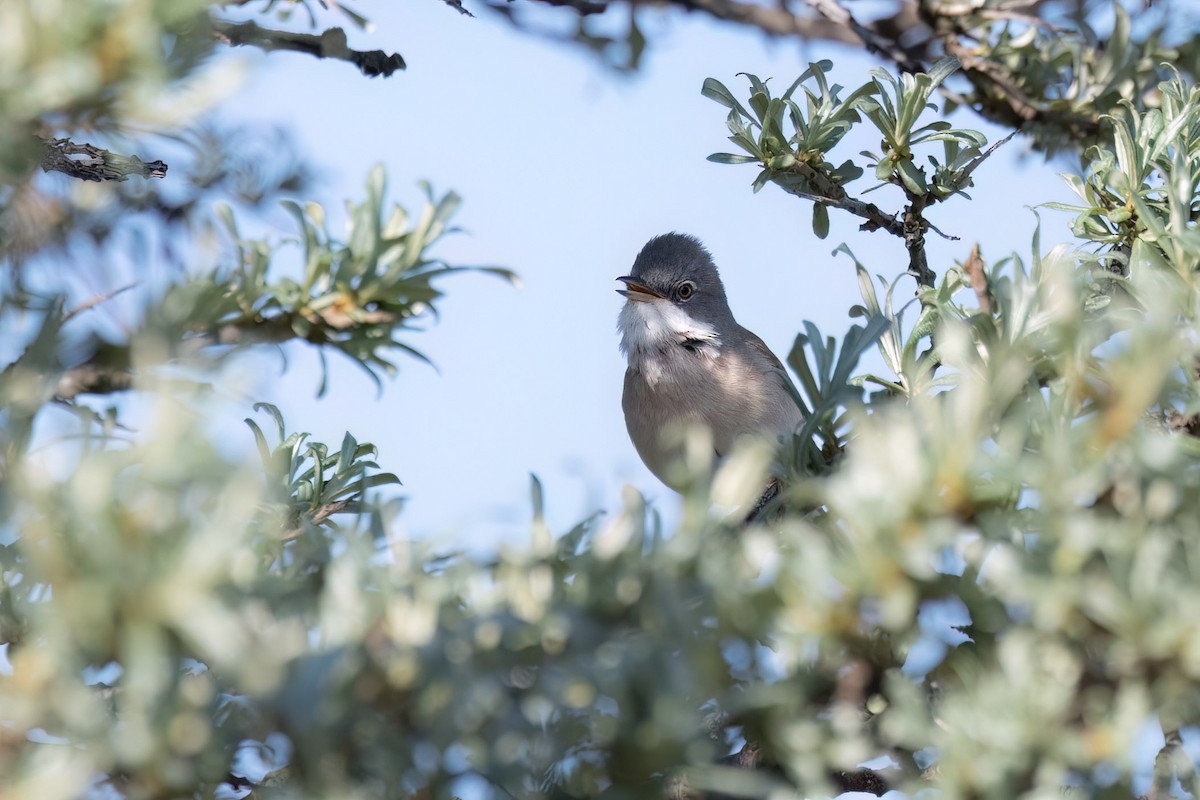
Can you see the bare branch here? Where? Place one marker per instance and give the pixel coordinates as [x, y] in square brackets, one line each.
[975, 162]
[331, 43]
[582, 7]
[458, 6]
[947, 236]
[107, 371]
[97, 164]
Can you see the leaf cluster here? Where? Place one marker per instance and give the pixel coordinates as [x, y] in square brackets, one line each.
[1143, 189]
[354, 295]
[793, 142]
[313, 483]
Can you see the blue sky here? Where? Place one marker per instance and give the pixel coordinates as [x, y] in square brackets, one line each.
[566, 169]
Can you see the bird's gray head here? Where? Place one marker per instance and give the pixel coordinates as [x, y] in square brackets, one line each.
[674, 299]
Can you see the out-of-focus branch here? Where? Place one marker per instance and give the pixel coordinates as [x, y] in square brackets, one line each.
[97, 164]
[912, 38]
[458, 6]
[774, 20]
[331, 43]
[874, 41]
[999, 99]
[108, 370]
[582, 7]
[750, 757]
[93, 379]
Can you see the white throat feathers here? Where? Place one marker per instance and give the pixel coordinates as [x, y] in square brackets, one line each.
[650, 329]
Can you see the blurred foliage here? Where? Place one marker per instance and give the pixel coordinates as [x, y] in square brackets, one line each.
[1142, 191]
[1075, 63]
[985, 569]
[313, 10]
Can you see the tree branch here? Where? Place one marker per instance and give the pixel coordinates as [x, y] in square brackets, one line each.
[107, 370]
[833, 194]
[914, 240]
[907, 39]
[773, 20]
[331, 43]
[97, 164]
[92, 379]
[998, 98]
[458, 6]
[874, 42]
[582, 7]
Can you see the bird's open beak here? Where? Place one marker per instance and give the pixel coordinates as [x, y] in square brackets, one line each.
[637, 291]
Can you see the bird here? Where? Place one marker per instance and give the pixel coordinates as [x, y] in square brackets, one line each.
[689, 362]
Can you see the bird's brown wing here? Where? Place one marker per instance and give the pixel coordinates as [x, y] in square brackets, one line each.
[759, 346]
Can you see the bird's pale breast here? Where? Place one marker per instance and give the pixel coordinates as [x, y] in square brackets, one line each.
[732, 391]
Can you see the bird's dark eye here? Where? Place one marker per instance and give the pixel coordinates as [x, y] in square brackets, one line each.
[686, 290]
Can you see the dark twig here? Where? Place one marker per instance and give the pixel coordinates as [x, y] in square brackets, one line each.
[831, 193]
[874, 42]
[773, 20]
[331, 43]
[763, 502]
[582, 7]
[979, 159]
[97, 164]
[458, 6]
[948, 237]
[107, 371]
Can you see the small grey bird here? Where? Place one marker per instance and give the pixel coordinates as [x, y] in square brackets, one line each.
[690, 362]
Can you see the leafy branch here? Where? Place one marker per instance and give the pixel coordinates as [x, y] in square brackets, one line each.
[1141, 192]
[792, 141]
[313, 483]
[330, 43]
[354, 296]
